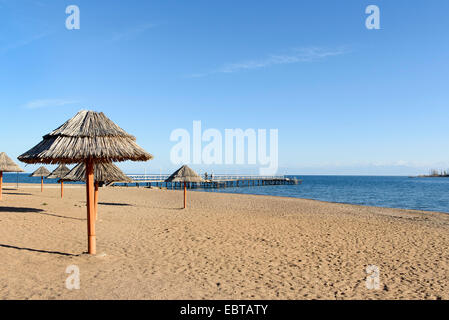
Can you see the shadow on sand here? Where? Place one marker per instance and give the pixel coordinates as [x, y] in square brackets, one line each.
[34, 210]
[115, 204]
[177, 208]
[64, 217]
[19, 209]
[18, 193]
[40, 251]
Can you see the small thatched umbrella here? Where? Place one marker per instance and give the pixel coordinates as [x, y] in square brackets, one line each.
[41, 172]
[88, 137]
[59, 173]
[184, 174]
[6, 165]
[103, 173]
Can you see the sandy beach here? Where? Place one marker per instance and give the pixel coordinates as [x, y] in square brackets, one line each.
[223, 246]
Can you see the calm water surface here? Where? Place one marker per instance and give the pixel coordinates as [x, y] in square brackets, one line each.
[430, 194]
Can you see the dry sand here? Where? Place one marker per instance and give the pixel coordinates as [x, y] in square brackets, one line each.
[225, 246]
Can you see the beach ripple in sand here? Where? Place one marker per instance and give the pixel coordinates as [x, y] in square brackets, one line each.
[222, 247]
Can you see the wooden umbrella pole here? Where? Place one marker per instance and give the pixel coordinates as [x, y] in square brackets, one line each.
[185, 195]
[92, 247]
[96, 200]
[62, 189]
[42, 184]
[1, 184]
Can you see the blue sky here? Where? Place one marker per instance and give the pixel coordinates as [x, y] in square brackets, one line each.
[345, 99]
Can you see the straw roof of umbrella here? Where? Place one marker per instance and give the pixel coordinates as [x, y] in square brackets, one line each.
[92, 138]
[59, 173]
[88, 135]
[103, 172]
[184, 174]
[41, 172]
[7, 165]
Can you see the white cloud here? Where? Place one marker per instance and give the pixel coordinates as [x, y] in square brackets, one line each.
[132, 32]
[375, 164]
[46, 103]
[22, 43]
[300, 55]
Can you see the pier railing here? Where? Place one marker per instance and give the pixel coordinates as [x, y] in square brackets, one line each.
[148, 177]
[215, 177]
[216, 181]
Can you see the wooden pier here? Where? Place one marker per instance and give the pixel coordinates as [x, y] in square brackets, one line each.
[217, 181]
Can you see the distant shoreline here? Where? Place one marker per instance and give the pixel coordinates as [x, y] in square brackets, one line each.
[433, 176]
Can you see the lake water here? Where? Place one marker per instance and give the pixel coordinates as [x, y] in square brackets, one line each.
[24, 178]
[430, 194]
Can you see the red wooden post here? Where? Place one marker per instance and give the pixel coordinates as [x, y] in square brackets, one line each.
[62, 189]
[96, 200]
[42, 184]
[185, 195]
[92, 246]
[1, 184]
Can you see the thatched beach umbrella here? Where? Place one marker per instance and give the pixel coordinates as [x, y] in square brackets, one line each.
[184, 174]
[88, 137]
[59, 173]
[41, 172]
[6, 165]
[103, 173]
